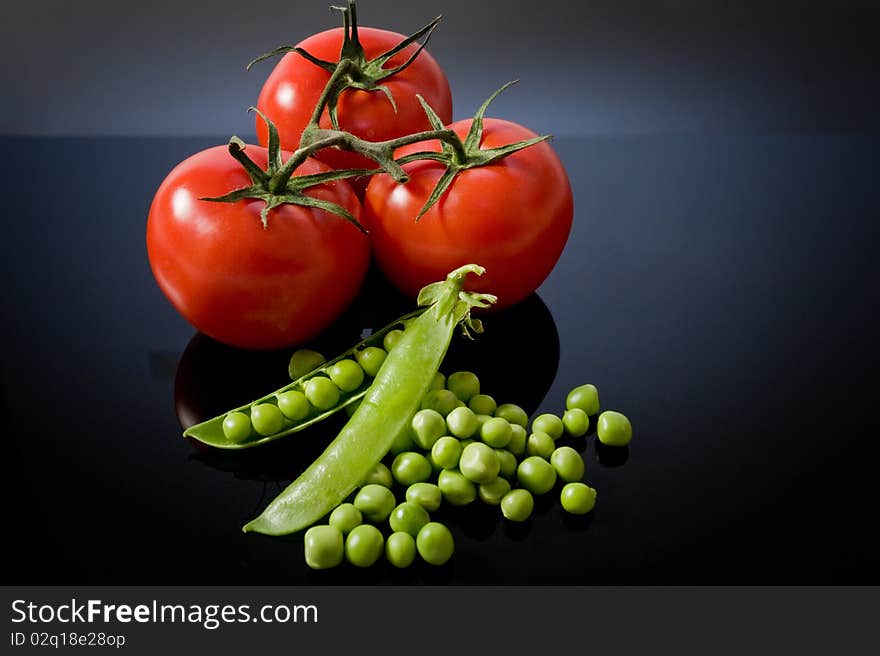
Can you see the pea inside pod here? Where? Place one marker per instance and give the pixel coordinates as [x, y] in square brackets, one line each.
[318, 394]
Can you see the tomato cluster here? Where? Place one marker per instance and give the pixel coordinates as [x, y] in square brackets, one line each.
[274, 264]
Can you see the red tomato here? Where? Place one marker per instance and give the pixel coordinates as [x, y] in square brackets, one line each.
[511, 217]
[241, 283]
[291, 94]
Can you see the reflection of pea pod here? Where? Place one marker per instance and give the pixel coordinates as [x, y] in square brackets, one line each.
[210, 432]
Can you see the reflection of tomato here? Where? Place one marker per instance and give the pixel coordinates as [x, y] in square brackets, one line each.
[291, 94]
[239, 282]
[512, 217]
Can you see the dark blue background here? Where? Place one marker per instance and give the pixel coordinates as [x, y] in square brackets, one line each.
[719, 286]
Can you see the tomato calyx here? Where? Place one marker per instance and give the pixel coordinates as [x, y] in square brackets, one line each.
[460, 304]
[277, 185]
[354, 70]
[457, 155]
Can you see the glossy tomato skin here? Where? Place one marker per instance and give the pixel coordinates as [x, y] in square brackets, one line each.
[512, 217]
[243, 284]
[291, 92]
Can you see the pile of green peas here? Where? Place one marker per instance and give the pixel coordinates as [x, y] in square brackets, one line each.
[463, 446]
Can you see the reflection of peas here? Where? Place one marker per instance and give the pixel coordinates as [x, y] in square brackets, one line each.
[237, 427]
[435, 543]
[400, 549]
[578, 498]
[267, 419]
[323, 547]
[293, 404]
[364, 545]
[322, 392]
[347, 375]
[517, 505]
[613, 429]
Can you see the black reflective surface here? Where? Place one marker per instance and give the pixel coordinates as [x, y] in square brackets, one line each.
[720, 291]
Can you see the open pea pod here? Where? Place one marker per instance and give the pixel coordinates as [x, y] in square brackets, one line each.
[211, 432]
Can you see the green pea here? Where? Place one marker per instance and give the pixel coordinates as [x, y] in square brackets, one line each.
[536, 475]
[364, 545]
[568, 464]
[427, 495]
[438, 383]
[482, 404]
[464, 384]
[267, 419]
[379, 475]
[512, 413]
[508, 463]
[237, 426]
[435, 543]
[462, 422]
[482, 419]
[443, 401]
[456, 489]
[428, 426]
[479, 463]
[370, 359]
[550, 424]
[322, 392]
[492, 493]
[294, 405]
[345, 517]
[408, 517]
[464, 443]
[391, 338]
[496, 432]
[614, 429]
[578, 498]
[435, 466]
[518, 438]
[540, 444]
[400, 549]
[323, 547]
[517, 505]
[375, 502]
[446, 452]
[585, 397]
[576, 422]
[347, 375]
[410, 467]
[304, 361]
